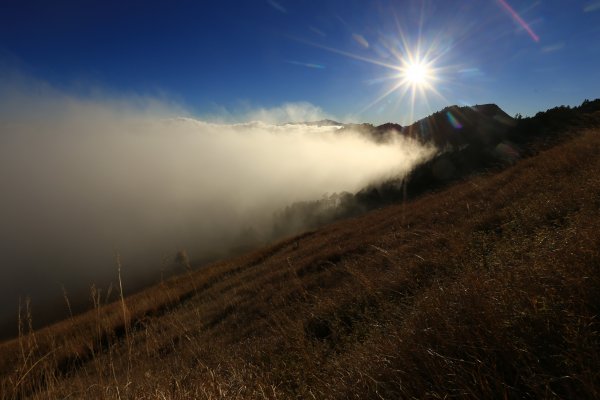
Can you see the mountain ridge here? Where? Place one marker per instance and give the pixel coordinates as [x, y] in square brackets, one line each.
[488, 139]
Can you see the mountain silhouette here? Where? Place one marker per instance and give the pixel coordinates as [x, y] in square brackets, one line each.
[470, 140]
[481, 125]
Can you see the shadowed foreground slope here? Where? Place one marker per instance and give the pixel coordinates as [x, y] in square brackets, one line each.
[488, 289]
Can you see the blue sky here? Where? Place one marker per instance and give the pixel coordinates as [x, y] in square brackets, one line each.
[224, 59]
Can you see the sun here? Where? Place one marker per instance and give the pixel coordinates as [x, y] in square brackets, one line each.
[417, 74]
[416, 70]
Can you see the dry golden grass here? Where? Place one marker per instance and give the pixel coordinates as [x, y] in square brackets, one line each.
[488, 289]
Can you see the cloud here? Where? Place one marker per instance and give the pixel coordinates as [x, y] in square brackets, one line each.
[592, 6]
[288, 112]
[553, 48]
[317, 31]
[472, 72]
[277, 6]
[360, 39]
[83, 177]
[307, 65]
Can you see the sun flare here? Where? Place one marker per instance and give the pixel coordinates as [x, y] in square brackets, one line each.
[417, 74]
[416, 71]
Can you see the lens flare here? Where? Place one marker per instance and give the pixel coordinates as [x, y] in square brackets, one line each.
[519, 20]
[453, 121]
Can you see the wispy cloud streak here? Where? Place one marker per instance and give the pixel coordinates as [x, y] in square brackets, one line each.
[277, 6]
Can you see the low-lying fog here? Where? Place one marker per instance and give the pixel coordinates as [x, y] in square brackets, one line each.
[82, 179]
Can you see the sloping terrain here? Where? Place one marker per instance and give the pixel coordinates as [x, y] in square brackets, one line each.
[487, 289]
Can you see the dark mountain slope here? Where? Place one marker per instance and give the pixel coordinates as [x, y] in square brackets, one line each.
[476, 139]
[481, 126]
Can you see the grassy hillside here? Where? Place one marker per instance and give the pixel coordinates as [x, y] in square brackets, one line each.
[487, 289]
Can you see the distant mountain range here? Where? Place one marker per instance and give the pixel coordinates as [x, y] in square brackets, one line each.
[470, 140]
[322, 122]
[474, 139]
[451, 127]
[482, 126]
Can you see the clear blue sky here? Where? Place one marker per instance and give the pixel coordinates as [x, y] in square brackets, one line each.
[229, 56]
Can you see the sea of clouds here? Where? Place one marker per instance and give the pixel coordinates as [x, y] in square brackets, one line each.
[86, 177]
